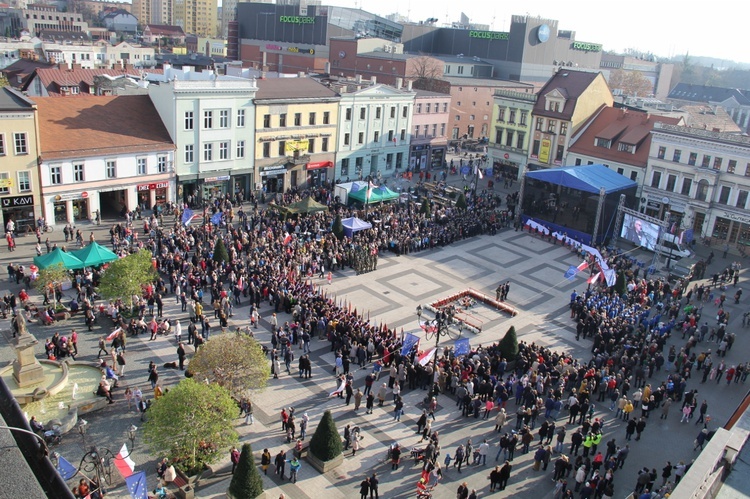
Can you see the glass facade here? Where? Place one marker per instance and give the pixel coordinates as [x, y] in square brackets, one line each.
[364, 23]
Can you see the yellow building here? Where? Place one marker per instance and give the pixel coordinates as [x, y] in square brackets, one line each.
[196, 17]
[295, 133]
[20, 193]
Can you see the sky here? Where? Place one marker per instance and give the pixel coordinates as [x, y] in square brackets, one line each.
[662, 27]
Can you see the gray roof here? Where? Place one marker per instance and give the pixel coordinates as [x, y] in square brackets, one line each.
[484, 82]
[428, 93]
[465, 60]
[11, 100]
[706, 93]
[387, 55]
[292, 88]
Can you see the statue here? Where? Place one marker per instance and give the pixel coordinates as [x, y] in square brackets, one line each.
[19, 324]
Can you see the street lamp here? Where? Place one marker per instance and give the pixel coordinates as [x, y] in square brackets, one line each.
[440, 325]
[131, 436]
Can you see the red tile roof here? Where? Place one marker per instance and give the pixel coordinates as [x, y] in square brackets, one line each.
[95, 126]
[54, 78]
[621, 127]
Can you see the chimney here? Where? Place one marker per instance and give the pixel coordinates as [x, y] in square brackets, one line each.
[399, 83]
[63, 66]
[75, 66]
[374, 79]
[358, 78]
[408, 85]
[327, 68]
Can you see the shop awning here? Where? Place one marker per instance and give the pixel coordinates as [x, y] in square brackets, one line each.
[315, 165]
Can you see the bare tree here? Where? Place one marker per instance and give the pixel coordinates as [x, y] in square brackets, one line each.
[425, 72]
[631, 83]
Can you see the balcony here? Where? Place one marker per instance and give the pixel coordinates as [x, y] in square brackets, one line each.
[298, 159]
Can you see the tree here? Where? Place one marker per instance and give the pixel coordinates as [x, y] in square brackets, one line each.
[326, 442]
[509, 344]
[51, 276]
[461, 202]
[220, 252]
[426, 71]
[233, 361]
[631, 83]
[192, 424]
[425, 209]
[338, 228]
[246, 481]
[124, 277]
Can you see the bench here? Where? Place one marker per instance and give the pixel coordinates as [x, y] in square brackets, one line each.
[303, 451]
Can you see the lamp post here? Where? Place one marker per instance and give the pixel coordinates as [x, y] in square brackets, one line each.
[131, 436]
[440, 325]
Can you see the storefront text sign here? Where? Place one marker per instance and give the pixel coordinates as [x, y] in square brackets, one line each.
[736, 217]
[17, 201]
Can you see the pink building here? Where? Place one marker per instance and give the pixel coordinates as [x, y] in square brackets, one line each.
[429, 138]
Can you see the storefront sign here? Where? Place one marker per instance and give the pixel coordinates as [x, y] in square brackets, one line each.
[736, 217]
[296, 19]
[587, 47]
[298, 50]
[506, 155]
[151, 187]
[490, 35]
[221, 178]
[271, 46]
[544, 150]
[273, 170]
[319, 164]
[71, 195]
[17, 201]
[6, 183]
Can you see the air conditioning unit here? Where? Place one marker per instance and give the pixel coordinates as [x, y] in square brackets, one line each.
[387, 48]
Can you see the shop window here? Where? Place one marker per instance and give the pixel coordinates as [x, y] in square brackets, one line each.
[24, 181]
[79, 176]
[111, 167]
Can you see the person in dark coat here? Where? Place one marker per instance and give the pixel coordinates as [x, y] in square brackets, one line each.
[505, 475]
[364, 488]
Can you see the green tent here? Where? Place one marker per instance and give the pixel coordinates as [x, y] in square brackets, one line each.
[56, 257]
[94, 255]
[307, 205]
[377, 195]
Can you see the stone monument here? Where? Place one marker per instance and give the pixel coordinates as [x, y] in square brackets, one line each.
[27, 370]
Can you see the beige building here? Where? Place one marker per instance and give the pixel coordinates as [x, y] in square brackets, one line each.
[295, 133]
[153, 11]
[196, 17]
[20, 199]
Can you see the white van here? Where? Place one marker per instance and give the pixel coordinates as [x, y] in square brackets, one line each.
[669, 245]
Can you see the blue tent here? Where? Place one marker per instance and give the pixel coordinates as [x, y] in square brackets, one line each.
[589, 178]
[354, 224]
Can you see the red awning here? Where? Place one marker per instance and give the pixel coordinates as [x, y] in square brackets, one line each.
[319, 164]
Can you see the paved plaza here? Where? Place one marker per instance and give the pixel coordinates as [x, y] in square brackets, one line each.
[391, 294]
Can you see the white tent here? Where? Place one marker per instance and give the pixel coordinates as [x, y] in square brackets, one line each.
[343, 190]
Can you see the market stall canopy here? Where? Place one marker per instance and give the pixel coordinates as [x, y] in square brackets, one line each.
[57, 257]
[307, 205]
[354, 224]
[377, 195]
[94, 255]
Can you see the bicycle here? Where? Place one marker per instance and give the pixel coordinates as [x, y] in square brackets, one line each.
[31, 229]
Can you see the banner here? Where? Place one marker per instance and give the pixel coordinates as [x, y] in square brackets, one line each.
[123, 463]
[137, 485]
[187, 216]
[292, 146]
[66, 470]
[425, 357]
[544, 151]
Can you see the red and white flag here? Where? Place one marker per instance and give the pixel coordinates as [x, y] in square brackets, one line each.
[368, 194]
[113, 334]
[338, 390]
[593, 278]
[583, 266]
[426, 357]
[287, 239]
[123, 463]
[479, 171]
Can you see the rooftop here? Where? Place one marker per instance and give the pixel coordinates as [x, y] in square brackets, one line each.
[570, 84]
[707, 93]
[732, 138]
[485, 82]
[292, 88]
[54, 78]
[12, 100]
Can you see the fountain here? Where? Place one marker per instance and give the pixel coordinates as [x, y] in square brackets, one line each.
[52, 391]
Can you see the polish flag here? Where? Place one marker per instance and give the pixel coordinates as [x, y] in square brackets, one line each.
[113, 334]
[338, 390]
[481, 175]
[593, 278]
[287, 239]
[583, 266]
[426, 357]
[123, 463]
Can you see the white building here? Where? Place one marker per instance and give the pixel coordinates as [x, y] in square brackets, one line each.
[375, 126]
[105, 154]
[210, 119]
[702, 178]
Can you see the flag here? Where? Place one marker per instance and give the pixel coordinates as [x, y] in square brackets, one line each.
[368, 194]
[462, 347]
[610, 277]
[66, 470]
[137, 485]
[355, 187]
[187, 216]
[123, 463]
[427, 327]
[593, 278]
[338, 390]
[409, 342]
[287, 239]
[216, 218]
[113, 334]
[426, 357]
[584, 264]
[479, 172]
[571, 272]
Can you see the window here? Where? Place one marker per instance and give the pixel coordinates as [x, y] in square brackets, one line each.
[208, 152]
[600, 142]
[509, 138]
[161, 164]
[501, 114]
[634, 176]
[419, 109]
[266, 149]
[282, 147]
[621, 171]
[524, 117]
[376, 138]
[399, 159]
[240, 149]
[55, 175]
[346, 139]
[692, 158]
[189, 158]
[539, 123]
[676, 155]
[512, 117]
[535, 148]
[442, 129]
[622, 146]
[208, 119]
[297, 119]
[416, 130]
[551, 126]
[345, 166]
[671, 182]
[471, 117]
[717, 163]
[578, 162]
[521, 137]
[706, 161]
[310, 146]
[326, 118]
[434, 130]
[358, 165]
[19, 140]
[393, 111]
[141, 169]
[405, 111]
[240, 118]
[732, 166]
[24, 181]
[111, 167]
[349, 114]
[563, 128]
[311, 119]
[389, 161]
[361, 138]
[445, 107]
[447, 69]
[427, 108]
[724, 194]
[656, 180]
[403, 134]
[188, 120]
[362, 113]
[223, 150]
[687, 183]
[701, 193]
[741, 199]
[747, 170]
[267, 121]
[561, 151]
[662, 152]
[324, 144]
[460, 70]
[224, 118]
[282, 120]
[4, 177]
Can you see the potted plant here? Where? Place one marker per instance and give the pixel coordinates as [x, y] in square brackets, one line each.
[246, 481]
[325, 451]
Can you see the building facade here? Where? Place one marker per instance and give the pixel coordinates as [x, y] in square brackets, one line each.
[701, 179]
[195, 17]
[20, 192]
[39, 17]
[90, 163]
[509, 137]
[296, 123]
[210, 120]
[429, 139]
[374, 134]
